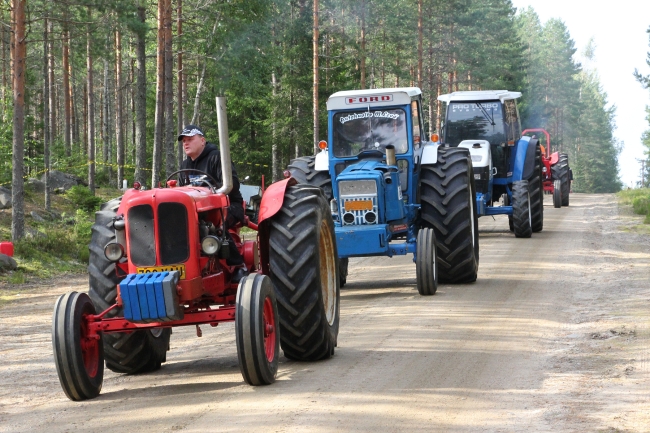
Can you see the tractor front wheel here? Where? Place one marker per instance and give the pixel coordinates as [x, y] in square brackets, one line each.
[557, 193]
[304, 268]
[426, 265]
[343, 270]
[521, 218]
[560, 171]
[79, 357]
[536, 185]
[257, 330]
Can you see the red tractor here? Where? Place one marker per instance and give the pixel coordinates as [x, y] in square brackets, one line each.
[557, 173]
[158, 260]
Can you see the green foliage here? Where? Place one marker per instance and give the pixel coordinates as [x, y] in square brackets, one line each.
[83, 198]
[639, 199]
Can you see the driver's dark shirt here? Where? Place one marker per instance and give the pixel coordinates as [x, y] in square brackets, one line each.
[209, 161]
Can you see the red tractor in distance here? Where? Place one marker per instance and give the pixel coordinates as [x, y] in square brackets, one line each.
[158, 260]
[557, 173]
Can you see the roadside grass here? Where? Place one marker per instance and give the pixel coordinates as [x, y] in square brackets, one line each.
[638, 203]
[59, 244]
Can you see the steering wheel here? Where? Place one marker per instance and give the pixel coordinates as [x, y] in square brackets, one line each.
[212, 185]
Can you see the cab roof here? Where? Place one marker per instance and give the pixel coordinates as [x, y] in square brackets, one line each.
[350, 99]
[480, 95]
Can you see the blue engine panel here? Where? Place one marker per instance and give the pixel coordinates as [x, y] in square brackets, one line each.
[150, 297]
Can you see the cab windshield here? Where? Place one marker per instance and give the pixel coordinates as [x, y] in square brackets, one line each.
[369, 130]
[471, 121]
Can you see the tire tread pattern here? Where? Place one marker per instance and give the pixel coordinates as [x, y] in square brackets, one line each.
[446, 193]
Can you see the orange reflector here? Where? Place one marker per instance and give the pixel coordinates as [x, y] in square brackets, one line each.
[435, 138]
[322, 144]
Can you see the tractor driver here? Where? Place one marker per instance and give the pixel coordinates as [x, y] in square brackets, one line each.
[205, 156]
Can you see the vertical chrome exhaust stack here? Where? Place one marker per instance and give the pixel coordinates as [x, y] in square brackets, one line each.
[224, 146]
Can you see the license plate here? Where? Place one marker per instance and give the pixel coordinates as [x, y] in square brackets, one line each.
[168, 268]
[358, 205]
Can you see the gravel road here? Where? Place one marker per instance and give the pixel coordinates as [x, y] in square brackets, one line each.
[553, 336]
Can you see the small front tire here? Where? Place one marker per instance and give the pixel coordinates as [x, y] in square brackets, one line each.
[521, 214]
[426, 265]
[79, 358]
[257, 330]
[557, 194]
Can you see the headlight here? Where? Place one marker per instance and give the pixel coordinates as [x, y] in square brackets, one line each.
[357, 187]
[114, 251]
[210, 245]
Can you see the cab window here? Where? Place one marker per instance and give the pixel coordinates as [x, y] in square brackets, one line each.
[417, 124]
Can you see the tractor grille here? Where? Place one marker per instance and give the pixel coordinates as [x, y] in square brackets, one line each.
[172, 233]
[359, 210]
[141, 235]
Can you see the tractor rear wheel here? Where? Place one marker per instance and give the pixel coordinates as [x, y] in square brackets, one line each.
[257, 330]
[426, 265]
[448, 206]
[560, 171]
[302, 169]
[304, 268]
[557, 193]
[79, 359]
[343, 271]
[135, 352]
[521, 215]
[536, 185]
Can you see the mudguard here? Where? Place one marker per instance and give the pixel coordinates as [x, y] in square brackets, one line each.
[322, 161]
[430, 153]
[273, 198]
[524, 159]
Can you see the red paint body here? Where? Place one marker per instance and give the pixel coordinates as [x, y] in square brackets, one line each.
[206, 292]
[548, 159]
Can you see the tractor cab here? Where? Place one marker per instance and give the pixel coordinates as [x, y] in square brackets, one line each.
[375, 138]
[507, 166]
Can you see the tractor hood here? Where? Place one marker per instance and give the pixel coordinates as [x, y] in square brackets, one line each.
[364, 166]
[202, 199]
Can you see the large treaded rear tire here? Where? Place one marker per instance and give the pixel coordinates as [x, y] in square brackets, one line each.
[302, 169]
[521, 215]
[305, 272]
[536, 185]
[135, 352]
[560, 171]
[448, 205]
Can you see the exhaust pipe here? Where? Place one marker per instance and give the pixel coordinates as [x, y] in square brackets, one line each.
[390, 155]
[224, 146]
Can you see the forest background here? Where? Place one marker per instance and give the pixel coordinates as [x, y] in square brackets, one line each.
[108, 85]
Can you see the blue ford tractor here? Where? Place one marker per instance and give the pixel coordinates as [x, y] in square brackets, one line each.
[507, 166]
[393, 192]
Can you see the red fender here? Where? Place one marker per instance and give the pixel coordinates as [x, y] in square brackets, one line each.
[273, 198]
[555, 157]
[271, 204]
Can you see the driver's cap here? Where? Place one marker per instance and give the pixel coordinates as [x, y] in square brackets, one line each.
[190, 131]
